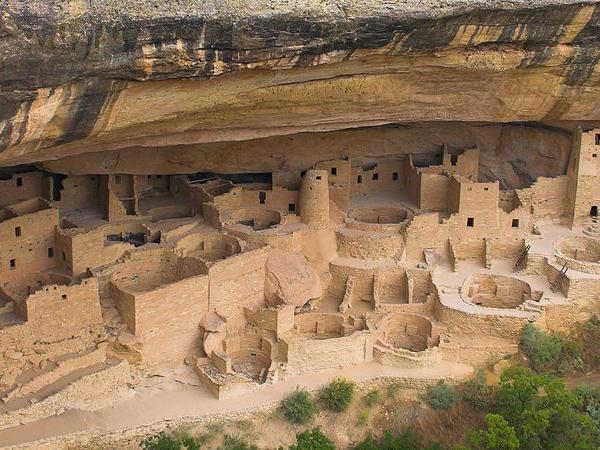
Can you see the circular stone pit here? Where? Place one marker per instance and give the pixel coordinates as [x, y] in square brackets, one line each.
[256, 218]
[407, 331]
[579, 253]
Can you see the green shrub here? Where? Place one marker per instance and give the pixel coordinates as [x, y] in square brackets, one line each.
[498, 435]
[371, 398]
[440, 396]
[312, 440]
[160, 441]
[363, 417]
[299, 407]
[476, 391]
[236, 443]
[393, 390]
[164, 441]
[338, 395]
[543, 413]
[393, 441]
[589, 398]
[543, 349]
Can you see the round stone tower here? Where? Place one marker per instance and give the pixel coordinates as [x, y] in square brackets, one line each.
[314, 198]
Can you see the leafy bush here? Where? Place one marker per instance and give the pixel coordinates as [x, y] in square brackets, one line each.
[299, 407]
[236, 443]
[476, 392]
[160, 441]
[499, 435]
[395, 441]
[371, 398]
[393, 390]
[543, 413]
[363, 417]
[312, 440]
[338, 395]
[164, 441]
[589, 398]
[440, 396]
[543, 349]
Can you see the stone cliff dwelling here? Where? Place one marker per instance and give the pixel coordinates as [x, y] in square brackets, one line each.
[410, 260]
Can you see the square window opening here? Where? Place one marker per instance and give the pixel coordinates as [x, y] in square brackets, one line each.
[13, 263]
[515, 223]
[375, 177]
[470, 221]
[359, 179]
[50, 252]
[334, 171]
[64, 296]
[262, 197]
[394, 176]
[292, 207]
[17, 231]
[594, 211]
[19, 181]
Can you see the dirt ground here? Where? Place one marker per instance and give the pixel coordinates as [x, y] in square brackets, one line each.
[397, 409]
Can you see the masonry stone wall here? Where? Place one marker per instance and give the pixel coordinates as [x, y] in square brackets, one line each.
[20, 187]
[57, 312]
[28, 243]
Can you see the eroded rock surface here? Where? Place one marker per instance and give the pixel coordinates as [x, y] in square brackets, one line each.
[102, 76]
[290, 280]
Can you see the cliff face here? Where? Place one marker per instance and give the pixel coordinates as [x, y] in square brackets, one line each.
[105, 76]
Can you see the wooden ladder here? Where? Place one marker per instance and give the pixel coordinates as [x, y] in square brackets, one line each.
[559, 277]
[521, 258]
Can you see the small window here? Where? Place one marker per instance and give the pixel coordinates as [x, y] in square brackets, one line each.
[594, 211]
[515, 223]
[64, 296]
[64, 256]
[117, 179]
[470, 222]
[19, 181]
[594, 155]
[395, 176]
[375, 177]
[597, 139]
[486, 189]
[17, 231]
[334, 171]
[50, 252]
[359, 179]
[13, 263]
[453, 159]
[292, 207]
[318, 177]
[262, 196]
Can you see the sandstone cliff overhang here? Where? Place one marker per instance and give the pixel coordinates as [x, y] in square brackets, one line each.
[100, 76]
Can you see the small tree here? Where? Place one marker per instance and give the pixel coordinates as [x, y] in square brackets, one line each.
[299, 407]
[312, 440]
[498, 435]
[338, 395]
[440, 396]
